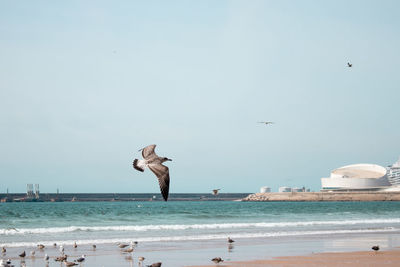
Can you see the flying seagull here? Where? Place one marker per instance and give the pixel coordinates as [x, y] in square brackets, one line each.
[154, 163]
[215, 191]
[349, 64]
[266, 122]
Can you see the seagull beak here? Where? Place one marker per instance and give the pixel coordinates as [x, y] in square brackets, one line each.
[170, 159]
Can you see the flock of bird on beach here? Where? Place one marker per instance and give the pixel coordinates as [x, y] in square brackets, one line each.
[125, 248]
[63, 258]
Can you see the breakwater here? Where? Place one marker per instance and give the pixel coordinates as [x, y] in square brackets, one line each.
[79, 197]
[324, 196]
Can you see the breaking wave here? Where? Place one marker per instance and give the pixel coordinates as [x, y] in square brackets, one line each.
[179, 227]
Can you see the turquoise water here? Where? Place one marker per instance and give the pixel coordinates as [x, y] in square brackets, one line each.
[27, 224]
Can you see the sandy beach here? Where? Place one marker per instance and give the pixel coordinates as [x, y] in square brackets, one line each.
[341, 250]
[360, 258]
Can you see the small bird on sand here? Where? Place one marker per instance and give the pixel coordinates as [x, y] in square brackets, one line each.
[62, 249]
[266, 122]
[3, 250]
[74, 245]
[230, 240]
[376, 248]
[122, 245]
[5, 263]
[94, 247]
[69, 263]
[215, 191]
[128, 250]
[154, 163]
[157, 264]
[33, 253]
[55, 245]
[80, 259]
[22, 255]
[141, 259]
[61, 258]
[349, 64]
[46, 257]
[40, 246]
[217, 260]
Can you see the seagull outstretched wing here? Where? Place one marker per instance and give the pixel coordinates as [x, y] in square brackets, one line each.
[148, 152]
[162, 173]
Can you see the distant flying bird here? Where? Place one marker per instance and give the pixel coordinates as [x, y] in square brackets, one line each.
[349, 64]
[376, 248]
[266, 122]
[154, 163]
[215, 191]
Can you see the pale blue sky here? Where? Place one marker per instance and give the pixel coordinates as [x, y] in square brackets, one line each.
[85, 84]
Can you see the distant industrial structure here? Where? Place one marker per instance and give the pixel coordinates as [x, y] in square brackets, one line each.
[284, 189]
[265, 189]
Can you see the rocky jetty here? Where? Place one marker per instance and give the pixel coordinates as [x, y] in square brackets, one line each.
[325, 196]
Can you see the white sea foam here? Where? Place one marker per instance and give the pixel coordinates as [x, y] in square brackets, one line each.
[201, 237]
[179, 227]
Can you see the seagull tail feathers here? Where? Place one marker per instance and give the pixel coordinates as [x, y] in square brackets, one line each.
[137, 166]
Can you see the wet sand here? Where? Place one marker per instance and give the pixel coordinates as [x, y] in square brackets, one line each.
[277, 251]
[356, 259]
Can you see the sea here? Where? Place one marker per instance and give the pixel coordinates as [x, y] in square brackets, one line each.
[173, 226]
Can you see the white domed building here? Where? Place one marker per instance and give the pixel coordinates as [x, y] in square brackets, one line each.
[357, 177]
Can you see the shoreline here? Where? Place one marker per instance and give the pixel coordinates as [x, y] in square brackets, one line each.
[356, 258]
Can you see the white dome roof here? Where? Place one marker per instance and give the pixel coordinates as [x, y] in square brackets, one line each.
[359, 171]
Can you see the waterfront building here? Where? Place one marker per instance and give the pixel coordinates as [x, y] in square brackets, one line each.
[297, 189]
[393, 173]
[357, 177]
[285, 189]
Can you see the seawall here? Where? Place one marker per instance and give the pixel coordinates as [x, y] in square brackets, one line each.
[325, 196]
